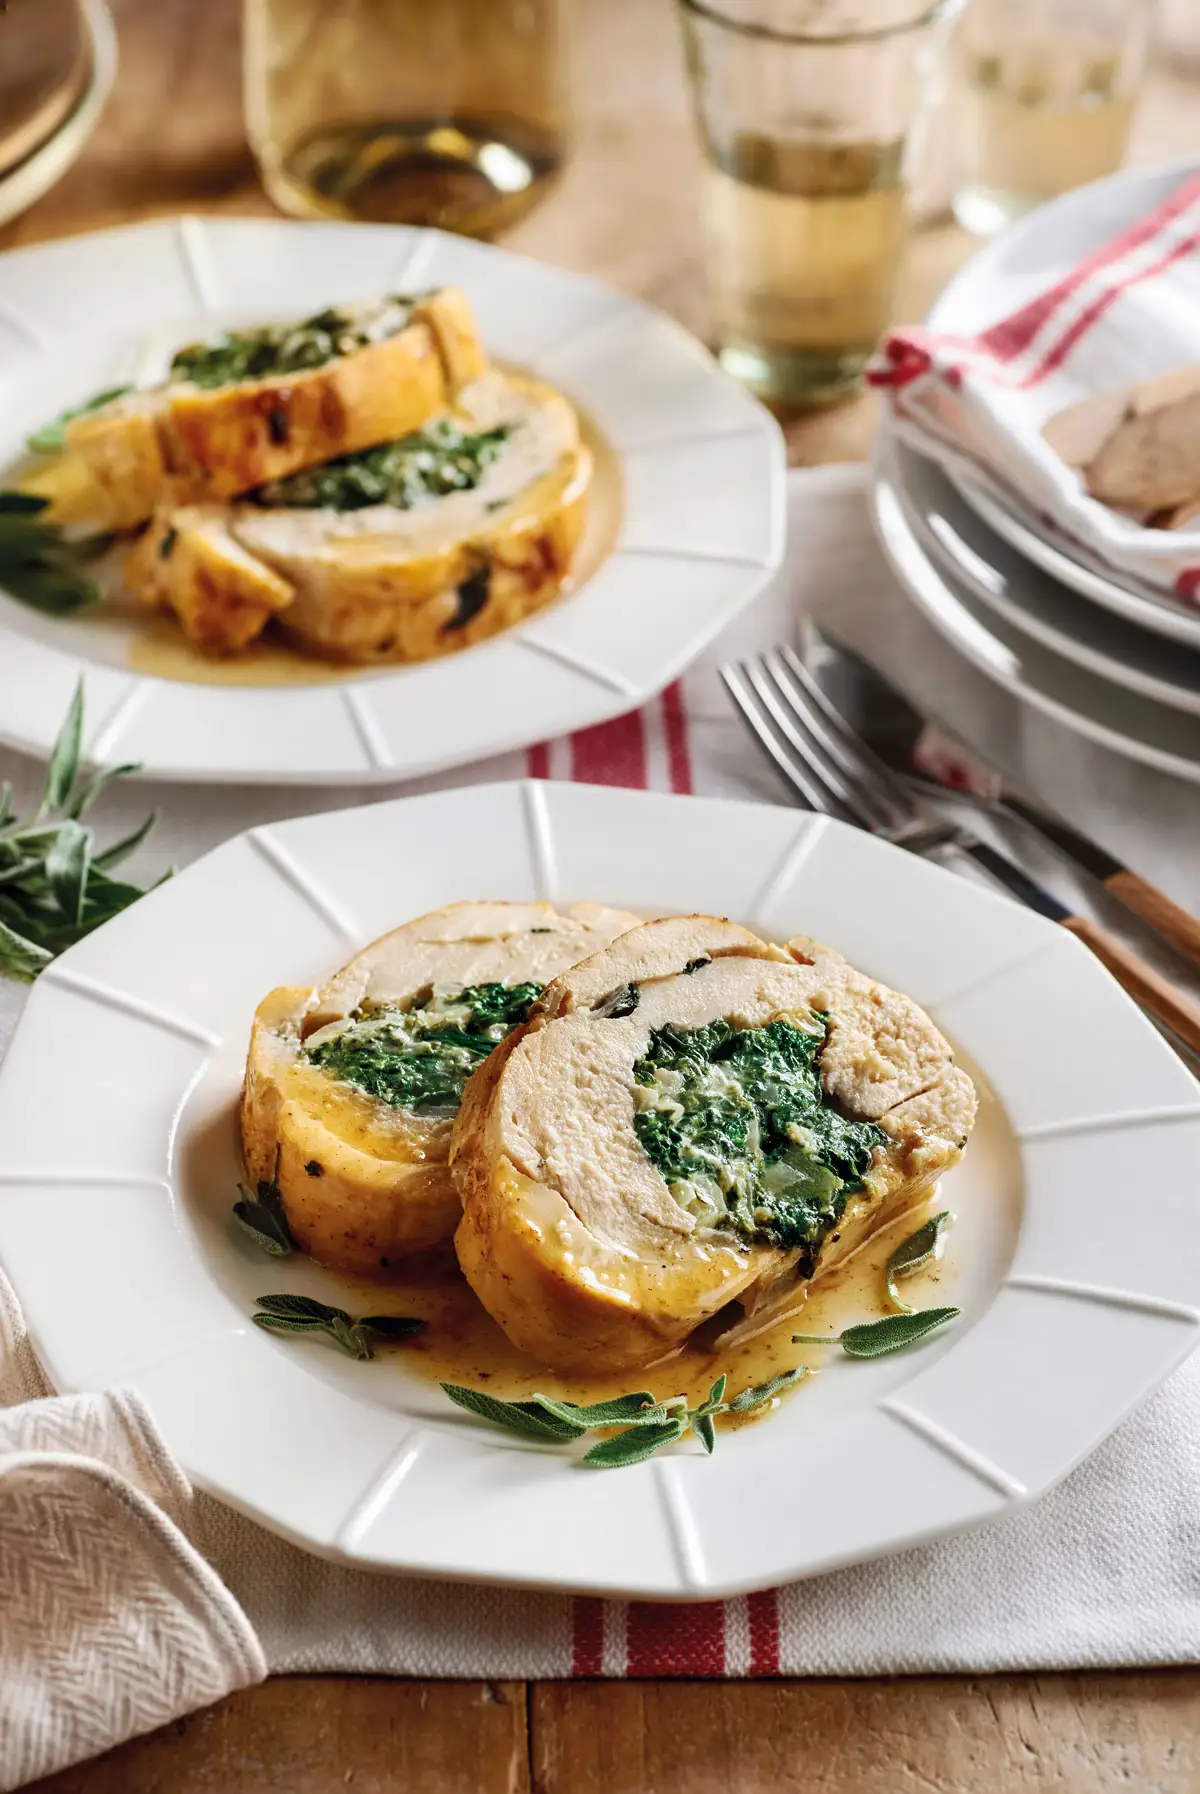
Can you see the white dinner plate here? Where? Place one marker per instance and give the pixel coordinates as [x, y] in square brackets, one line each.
[117, 1104]
[1004, 275]
[1122, 720]
[30, 179]
[693, 496]
[1020, 593]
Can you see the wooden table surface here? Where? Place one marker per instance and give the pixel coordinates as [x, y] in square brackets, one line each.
[171, 139]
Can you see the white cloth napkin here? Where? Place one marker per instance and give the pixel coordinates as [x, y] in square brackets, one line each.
[977, 403]
[125, 1600]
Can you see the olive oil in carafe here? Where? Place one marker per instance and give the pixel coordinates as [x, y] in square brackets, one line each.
[806, 239]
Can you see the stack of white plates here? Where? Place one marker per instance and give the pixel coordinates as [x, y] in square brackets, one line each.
[1110, 658]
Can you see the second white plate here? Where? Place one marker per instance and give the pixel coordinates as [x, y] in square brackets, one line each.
[697, 464]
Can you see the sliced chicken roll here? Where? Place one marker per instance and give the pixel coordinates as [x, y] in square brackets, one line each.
[409, 550]
[692, 1116]
[260, 404]
[351, 1090]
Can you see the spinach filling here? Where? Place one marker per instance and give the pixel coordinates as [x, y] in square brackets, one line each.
[738, 1123]
[421, 1057]
[427, 464]
[289, 348]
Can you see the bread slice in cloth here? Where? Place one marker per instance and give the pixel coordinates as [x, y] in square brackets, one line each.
[690, 1117]
[260, 404]
[408, 551]
[351, 1090]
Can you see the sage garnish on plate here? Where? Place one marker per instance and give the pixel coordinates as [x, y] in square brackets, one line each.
[875, 1339]
[41, 566]
[913, 1254]
[262, 1217]
[303, 1314]
[51, 439]
[647, 1424]
[55, 887]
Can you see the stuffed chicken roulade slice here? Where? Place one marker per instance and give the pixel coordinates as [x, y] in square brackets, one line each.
[689, 1117]
[259, 404]
[415, 548]
[351, 1089]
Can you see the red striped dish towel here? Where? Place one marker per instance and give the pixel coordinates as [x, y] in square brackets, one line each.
[977, 403]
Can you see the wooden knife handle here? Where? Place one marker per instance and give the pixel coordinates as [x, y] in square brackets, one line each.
[1168, 918]
[1144, 984]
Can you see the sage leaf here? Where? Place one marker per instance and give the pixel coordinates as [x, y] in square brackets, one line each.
[19, 957]
[268, 1230]
[302, 1308]
[874, 1339]
[758, 1393]
[64, 757]
[527, 1418]
[22, 504]
[352, 1339]
[638, 1409]
[67, 868]
[51, 438]
[283, 1323]
[634, 1445]
[391, 1326]
[705, 1430]
[912, 1254]
[83, 799]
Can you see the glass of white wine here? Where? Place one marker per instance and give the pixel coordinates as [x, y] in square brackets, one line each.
[1044, 99]
[809, 113]
[437, 112]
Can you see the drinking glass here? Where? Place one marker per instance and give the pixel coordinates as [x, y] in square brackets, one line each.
[442, 112]
[1045, 95]
[808, 112]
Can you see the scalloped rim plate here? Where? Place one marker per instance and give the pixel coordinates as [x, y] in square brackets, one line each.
[118, 1173]
[702, 470]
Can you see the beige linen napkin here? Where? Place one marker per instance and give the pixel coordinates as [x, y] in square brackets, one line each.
[115, 1605]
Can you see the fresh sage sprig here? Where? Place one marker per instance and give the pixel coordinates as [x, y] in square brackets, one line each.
[913, 1254]
[39, 564]
[262, 1216]
[647, 1424]
[302, 1314]
[875, 1339]
[54, 885]
[51, 439]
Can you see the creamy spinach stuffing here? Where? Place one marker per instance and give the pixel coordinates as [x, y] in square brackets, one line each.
[425, 465]
[421, 1057]
[738, 1122]
[290, 348]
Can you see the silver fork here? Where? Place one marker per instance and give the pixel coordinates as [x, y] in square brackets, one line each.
[835, 773]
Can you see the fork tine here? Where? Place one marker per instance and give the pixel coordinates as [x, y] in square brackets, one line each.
[854, 800]
[883, 807]
[797, 773]
[821, 702]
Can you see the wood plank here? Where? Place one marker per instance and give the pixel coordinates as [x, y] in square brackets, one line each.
[1078, 1734]
[327, 1735]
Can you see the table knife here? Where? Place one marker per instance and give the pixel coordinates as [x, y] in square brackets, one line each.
[892, 726]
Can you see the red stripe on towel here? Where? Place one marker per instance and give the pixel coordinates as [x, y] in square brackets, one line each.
[612, 753]
[587, 1636]
[1012, 335]
[676, 1641]
[539, 760]
[675, 728]
[763, 1613]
